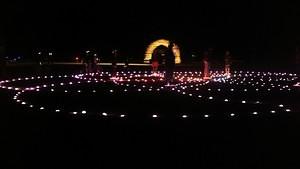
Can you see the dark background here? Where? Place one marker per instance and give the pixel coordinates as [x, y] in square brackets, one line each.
[251, 30]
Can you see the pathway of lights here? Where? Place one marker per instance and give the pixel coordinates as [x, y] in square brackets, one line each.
[217, 90]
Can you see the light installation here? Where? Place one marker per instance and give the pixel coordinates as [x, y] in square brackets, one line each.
[161, 42]
[219, 89]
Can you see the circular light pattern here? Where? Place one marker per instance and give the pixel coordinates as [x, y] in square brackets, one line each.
[235, 89]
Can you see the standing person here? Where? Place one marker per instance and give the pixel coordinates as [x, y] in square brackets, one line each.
[170, 63]
[227, 60]
[205, 66]
[154, 63]
[114, 61]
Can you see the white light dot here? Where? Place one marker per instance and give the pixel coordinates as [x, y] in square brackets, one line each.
[122, 115]
[273, 111]
[210, 98]
[83, 112]
[243, 101]
[287, 110]
[255, 113]
[74, 112]
[104, 114]
[42, 108]
[184, 116]
[226, 100]
[23, 103]
[111, 91]
[206, 115]
[154, 116]
[232, 114]
[281, 105]
[31, 106]
[57, 110]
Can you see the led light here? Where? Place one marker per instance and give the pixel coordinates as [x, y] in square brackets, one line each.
[288, 110]
[57, 110]
[281, 105]
[206, 115]
[104, 114]
[83, 112]
[154, 116]
[184, 116]
[273, 111]
[255, 113]
[42, 108]
[122, 115]
[232, 114]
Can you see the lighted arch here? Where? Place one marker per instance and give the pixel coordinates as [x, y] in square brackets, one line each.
[161, 42]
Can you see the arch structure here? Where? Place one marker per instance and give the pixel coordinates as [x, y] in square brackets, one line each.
[161, 42]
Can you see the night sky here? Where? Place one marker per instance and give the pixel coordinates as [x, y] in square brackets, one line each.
[253, 29]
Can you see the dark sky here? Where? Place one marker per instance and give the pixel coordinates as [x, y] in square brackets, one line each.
[245, 27]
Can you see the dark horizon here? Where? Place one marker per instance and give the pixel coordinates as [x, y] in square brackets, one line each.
[259, 30]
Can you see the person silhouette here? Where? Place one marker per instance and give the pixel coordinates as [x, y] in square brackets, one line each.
[170, 63]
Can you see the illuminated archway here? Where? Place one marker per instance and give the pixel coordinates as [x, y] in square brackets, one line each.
[161, 42]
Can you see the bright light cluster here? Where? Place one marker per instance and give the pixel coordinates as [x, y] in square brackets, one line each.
[220, 89]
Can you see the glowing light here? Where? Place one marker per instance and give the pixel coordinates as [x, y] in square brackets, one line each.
[122, 115]
[287, 110]
[281, 105]
[206, 115]
[273, 111]
[154, 116]
[42, 108]
[243, 101]
[255, 113]
[184, 116]
[83, 112]
[57, 110]
[232, 114]
[161, 42]
[104, 114]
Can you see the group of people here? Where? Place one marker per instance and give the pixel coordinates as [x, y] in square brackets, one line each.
[90, 61]
[170, 64]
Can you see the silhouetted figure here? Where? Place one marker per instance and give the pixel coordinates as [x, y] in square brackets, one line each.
[154, 63]
[88, 61]
[114, 61]
[227, 60]
[205, 66]
[170, 63]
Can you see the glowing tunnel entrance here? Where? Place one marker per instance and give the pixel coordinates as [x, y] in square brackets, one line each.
[161, 42]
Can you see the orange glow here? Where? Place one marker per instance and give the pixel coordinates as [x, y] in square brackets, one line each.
[161, 42]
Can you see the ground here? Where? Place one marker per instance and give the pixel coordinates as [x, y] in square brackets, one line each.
[232, 135]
